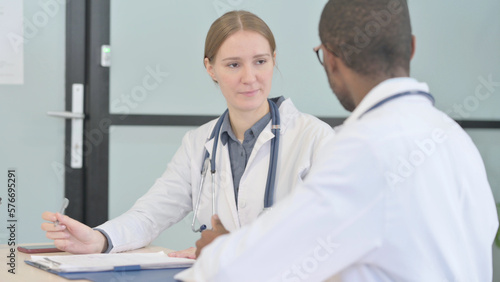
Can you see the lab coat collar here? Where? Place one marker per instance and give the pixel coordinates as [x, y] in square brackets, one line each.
[210, 142]
[287, 110]
[383, 90]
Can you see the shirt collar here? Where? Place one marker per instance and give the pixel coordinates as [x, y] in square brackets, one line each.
[252, 132]
[383, 90]
[226, 131]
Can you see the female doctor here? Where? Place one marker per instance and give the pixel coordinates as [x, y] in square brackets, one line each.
[258, 143]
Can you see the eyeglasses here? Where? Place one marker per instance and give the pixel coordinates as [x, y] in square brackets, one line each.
[319, 52]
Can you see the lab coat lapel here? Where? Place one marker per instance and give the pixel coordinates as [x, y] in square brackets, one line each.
[210, 142]
[227, 185]
[208, 146]
[286, 110]
[265, 136]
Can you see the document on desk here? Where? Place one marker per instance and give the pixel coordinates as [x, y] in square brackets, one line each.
[108, 262]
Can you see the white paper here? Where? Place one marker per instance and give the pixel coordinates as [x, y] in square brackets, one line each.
[11, 42]
[104, 262]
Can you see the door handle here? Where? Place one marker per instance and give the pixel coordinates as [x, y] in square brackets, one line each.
[77, 116]
[66, 115]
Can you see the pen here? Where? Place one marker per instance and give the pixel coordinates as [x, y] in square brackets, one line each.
[61, 211]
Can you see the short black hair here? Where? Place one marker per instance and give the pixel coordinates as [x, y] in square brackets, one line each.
[370, 36]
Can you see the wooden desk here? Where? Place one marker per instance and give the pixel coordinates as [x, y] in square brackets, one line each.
[26, 272]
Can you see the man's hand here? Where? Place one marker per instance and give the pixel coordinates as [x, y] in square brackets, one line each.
[208, 236]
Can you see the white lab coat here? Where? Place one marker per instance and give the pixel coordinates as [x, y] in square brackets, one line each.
[175, 193]
[401, 194]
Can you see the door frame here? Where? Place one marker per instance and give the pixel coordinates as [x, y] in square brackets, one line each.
[75, 73]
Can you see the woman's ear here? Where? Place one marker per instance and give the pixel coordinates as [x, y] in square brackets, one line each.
[210, 69]
[274, 58]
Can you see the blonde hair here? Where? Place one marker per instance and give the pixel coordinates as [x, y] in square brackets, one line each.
[230, 23]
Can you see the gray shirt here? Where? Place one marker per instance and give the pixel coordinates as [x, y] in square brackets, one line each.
[240, 152]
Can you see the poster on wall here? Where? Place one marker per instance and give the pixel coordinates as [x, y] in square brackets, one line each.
[11, 42]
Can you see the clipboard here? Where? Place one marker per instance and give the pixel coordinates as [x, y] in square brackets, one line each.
[150, 275]
[113, 267]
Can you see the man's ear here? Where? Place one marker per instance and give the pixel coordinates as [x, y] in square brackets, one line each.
[210, 69]
[413, 45]
[330, 61]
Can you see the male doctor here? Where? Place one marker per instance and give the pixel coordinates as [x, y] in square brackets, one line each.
[400, 195]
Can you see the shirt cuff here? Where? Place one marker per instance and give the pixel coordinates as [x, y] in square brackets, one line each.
[110, 244]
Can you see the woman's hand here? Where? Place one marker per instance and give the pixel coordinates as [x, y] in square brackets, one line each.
[187, 253]
[73, 236]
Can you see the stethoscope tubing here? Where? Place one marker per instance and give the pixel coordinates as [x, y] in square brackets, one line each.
[273, 157]
[395, 96]
[204, 169]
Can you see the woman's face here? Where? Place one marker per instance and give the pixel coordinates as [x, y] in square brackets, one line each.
[243, 67]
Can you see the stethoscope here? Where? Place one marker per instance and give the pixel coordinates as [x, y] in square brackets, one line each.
[271, 174]
[395, 96]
